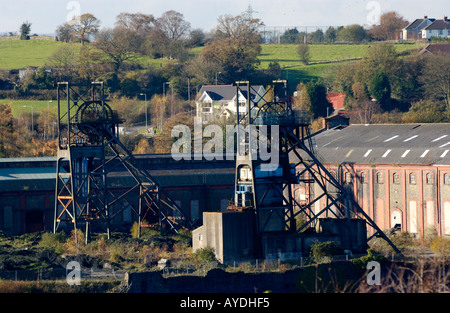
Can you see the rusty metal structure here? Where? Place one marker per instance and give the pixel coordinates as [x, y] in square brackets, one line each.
[269, 127]
[89, 152]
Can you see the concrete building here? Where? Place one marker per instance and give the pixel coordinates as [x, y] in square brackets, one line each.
[399, 174]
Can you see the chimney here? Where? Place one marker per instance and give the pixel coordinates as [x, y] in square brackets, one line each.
[425, 17]
[445, 18]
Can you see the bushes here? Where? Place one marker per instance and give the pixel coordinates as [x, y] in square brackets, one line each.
[204, 256]
[321, 251]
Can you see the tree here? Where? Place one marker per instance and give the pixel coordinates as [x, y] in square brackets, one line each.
[172, 32]
[318, 97]
[25, 30]
[426, 111]
[138, 24]
[330, 35]
[64, 62]
[360, 104]
[352, 33]
[290, 36]
[11, 143]
[117, 45]
[143, 147]
[436, 78]
[303, 53]
[85, 26]
[380, 89]
[65, 32]
[391, 23]
[236, 46]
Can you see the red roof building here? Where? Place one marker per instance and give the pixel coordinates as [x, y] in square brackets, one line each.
[337, 100]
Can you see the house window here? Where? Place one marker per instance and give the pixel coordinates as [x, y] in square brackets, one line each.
[379, 178]
[396, 179]
[429, 178]
[412, 179]
[446, 179]
[363, 178]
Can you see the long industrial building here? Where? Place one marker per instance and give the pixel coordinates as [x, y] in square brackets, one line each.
[399, 174]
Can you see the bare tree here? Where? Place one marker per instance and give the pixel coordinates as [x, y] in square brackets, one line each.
[171, 33]
[390, 26]
[118, 45]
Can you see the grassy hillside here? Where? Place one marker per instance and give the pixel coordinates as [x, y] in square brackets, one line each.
[16, 54]
[321, 56]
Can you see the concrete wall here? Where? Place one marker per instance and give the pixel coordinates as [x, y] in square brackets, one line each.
[231, 234]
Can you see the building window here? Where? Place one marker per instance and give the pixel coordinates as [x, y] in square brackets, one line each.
[379, 178]
[446, 179]
[348, 177]
[396, 179]
[412, 179]
[363, 178]
[429, 178]
[195, 210]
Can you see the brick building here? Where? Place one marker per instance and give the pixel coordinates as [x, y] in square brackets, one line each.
[399, 174]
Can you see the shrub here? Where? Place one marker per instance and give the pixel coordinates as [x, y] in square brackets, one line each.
[321, 251]
[54, 242]
[204, 256]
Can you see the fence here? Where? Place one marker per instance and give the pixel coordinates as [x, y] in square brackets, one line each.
[60, 274]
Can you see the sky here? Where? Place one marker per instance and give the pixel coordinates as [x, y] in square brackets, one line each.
[46, 15]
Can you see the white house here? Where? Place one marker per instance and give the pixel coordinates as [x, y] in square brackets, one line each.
[218, 102]
[439, 28]
[414, 30]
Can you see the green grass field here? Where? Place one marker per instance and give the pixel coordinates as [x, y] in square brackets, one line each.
[17, 54]
[19, 106]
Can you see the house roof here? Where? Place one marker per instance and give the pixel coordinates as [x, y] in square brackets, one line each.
[418, 144]
[337, 100]
[417, 23]
[436, 48]
[225, 92]
[439, 24]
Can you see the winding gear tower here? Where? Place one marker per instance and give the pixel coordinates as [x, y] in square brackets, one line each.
[89, 151]
[275, 152]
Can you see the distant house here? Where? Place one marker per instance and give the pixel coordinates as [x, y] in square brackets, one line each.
[439, 28]
[413, 31]
[218, 102]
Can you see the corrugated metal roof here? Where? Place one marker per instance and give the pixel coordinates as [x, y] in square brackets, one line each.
[423, 144]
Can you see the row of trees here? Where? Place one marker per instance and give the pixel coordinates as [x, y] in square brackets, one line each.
[389, 28]
[405, 88]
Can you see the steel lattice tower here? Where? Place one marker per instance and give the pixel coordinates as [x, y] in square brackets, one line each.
[89, 150]
[270, 119]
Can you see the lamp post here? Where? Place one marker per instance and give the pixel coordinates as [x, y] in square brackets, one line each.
[32, 115]
[217, 74]
[146, 119]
